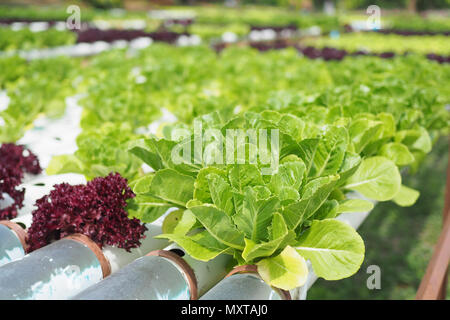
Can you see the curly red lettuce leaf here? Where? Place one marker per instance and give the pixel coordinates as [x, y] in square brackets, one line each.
[15, 161]
[96, 210]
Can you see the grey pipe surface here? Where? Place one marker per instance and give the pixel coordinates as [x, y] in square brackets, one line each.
[245, 286]
[11, 247]
[57, 271]
[147, 278]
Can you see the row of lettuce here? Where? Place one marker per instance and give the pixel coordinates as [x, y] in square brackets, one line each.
[210, 24]
[433, 47]
[375, 42]
[220, 15]
[342, 127]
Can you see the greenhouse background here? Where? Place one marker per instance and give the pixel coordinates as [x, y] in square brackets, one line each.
[93, 92]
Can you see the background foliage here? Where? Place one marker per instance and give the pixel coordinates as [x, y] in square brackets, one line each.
[399, 240]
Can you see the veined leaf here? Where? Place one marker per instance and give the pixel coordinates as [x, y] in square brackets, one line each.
[290, 174]
[330, 152]
[147, 208]
[201, 246]
[142, 184]
[292, 126]
[327, 210]
[255, 215]
[364, 131]
[288, 195]
[158, 154]
[349, 166]
[244, 175]
[221, 193]
[172, 186]
[286, 271]
[377, 178]
[306, 151]
[219, 225]
[179, 222]
[406, 197]
[201, 191]
[354, 205]
[280, 237]
[155, 153]
[335, 249]
[262, 192]
[398, 153]
[314, 196]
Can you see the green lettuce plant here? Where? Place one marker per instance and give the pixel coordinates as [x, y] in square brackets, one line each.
[275, 221]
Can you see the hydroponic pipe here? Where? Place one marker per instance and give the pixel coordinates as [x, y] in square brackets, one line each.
[119, 258]
[148, 278]
[168, 274]
[13, 245]
[244, 283]
[12, 242]
[57, 271]
[12, 233]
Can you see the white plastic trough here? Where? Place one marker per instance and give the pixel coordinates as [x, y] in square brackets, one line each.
[68, 266]
[244, 283]
[56, 271]
[75, 265]
[168, 274]
[12, 233]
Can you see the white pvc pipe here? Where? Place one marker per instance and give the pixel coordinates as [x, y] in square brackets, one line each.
[147, 278]
[161, 275]
[11, 248]
[57, 271]
[207, 273]
[242, 286]
[12, 237]
[118, 258]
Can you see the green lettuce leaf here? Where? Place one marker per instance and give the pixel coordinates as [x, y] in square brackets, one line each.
[221, 193]
[398, 153]
[181, 187]
[406, 197]
[377, 178]
[354, 205]
[335, 249]
[219, 225]
[201, 246]
[314, 195]
[286, 271]
[280, 237]
[254, 216]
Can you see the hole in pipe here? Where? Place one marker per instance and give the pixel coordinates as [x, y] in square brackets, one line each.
[178, 252]
[22, 225]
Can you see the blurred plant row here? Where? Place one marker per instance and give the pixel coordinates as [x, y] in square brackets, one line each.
[374, 42]
[210, 23]
[193, 81]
